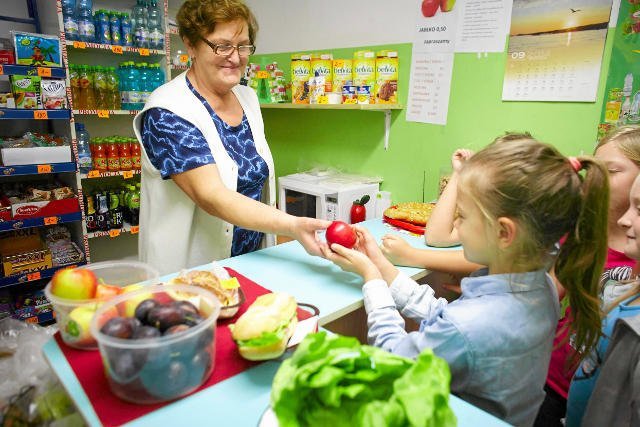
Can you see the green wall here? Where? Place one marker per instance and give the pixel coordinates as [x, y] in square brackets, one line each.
[352, 140]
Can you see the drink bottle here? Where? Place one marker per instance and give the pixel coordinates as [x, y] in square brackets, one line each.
[86, 27]
[103, 32]
[114, 24]
[156, 32]
[126, 33]
[84, 151]
[69, 20]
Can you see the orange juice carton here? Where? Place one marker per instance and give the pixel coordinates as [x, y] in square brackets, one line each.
[300, 74]
[342, 73]
[386, 87]
[321, 65]
[364, 69]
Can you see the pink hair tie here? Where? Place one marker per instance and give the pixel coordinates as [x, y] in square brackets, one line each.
[575, 163]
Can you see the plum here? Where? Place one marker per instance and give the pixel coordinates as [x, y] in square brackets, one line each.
[167, 383]
[165, 316]
[124, 365]
[142, 310]
[120, 327]
[199, 368]
[144, 332]
[192, 319]
[175, 329]
[186, 306]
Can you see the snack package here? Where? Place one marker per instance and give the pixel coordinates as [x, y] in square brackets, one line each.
[300, 75]
[26, 91]
[54, 94]
[321, 66]
[37, 49]
[7, 100]
[342, 73]
[386, 89]
[364, 70]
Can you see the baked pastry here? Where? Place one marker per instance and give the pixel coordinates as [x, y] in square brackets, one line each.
[416, 213]
[227, 290]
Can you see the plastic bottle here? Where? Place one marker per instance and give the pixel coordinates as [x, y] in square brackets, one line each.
[90, 213]
[84, 151]
[86, 27]
[136, 161]
[123, 85]
[135, 89]
[112, 89]
[100, 88]
[158, 76]
[103, 33]
[145, 83]
[69, 20]
[134, 204]
[86, 97]
[126, 32]
[114, 21]
[156, 32]
[113, 156]
[103, 220]
[124, 151]
[141, 30]
[75, 86]
[99, 155]
[115, 210]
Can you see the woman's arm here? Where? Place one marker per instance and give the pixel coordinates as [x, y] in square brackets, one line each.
[204, 186]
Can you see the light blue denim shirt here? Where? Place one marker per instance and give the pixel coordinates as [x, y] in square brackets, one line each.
[496, 337]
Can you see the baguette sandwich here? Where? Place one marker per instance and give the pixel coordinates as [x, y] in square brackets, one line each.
[263, 331]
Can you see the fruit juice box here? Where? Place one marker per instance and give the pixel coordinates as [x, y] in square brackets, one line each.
[26, 91]
[364, 69]
[342, 73]
[321, 65]
[37, 49]
[386, 87]
[300, 74]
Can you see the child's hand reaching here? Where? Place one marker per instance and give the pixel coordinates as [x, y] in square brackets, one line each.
[352, 260]
[396, 249]
[459, 157]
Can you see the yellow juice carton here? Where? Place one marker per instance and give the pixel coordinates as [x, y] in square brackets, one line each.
[321, 66]
[364, 70]
[300, 74]
[386, 88]
[342, 73]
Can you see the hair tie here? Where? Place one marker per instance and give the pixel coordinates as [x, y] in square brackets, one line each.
[575, 164]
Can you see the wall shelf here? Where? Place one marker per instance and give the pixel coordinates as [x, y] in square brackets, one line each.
[96, 174]
[365, 107]
[17, 224]
[16, 113]
[37, 169]
[116, 232]
[105, 113]
[34, 275]
[26, 70]
[115, 49]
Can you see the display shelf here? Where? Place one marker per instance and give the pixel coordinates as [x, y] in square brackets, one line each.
[105, 113]
[116, 232]
[41, 318]
[37, 169]
[366, 107]
[96, 174]
[34, 275]
[26, 70]
[17, 224]
[16, 113]
[116, 50]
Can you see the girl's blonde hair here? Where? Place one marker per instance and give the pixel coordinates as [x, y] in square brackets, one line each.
[627, 139]
[533, 184]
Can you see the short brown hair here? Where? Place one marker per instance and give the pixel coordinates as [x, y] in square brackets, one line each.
[197, 18]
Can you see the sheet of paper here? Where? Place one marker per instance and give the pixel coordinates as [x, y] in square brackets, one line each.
[437, 32]
[429, 87]
[483, 25]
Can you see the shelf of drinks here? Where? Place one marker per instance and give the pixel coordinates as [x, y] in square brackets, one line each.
[16, 113]
[27, 70]
[105, 113]
[116, 232]
[118, 50]
[368, 107]
[22, 278]
[17, 224]
[37, 169]
[97, 174]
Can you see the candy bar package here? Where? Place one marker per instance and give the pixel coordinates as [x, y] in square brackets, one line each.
[37, 49]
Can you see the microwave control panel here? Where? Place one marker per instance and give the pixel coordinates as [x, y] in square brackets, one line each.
[332, 209]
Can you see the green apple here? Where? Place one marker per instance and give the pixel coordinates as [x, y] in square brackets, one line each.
[77, 327]
[129, 307]
[74, 283]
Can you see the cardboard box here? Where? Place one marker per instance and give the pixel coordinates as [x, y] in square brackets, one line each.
[46, 208]
[24, 252]
[35, 155]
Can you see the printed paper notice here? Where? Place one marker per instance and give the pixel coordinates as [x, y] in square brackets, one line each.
[483, 25]
[429, 87]
[436, 26]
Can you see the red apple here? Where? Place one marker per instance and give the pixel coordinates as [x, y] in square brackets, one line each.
[430, 7]
[341, 233]
[107, 291]
[74, 283]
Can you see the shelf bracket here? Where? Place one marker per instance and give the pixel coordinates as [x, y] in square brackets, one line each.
[387, 127]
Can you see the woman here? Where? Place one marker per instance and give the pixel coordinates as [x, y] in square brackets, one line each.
[206, 166]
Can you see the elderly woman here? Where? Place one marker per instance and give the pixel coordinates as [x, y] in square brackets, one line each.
[208, 185]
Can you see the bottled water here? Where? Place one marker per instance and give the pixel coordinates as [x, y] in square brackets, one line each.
[86, 27]
[140, 29]
[84, 152]
[156, 32]
[125, 30]
[69, 19]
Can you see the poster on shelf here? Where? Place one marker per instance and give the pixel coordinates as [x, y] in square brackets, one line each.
[429, 87]
[555, 50]
[483, 25]
[621, 104]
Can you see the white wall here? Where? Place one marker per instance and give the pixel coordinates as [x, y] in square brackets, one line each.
[300, 25]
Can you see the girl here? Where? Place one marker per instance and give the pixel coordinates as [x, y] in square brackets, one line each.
[516, 199]
[629, 305]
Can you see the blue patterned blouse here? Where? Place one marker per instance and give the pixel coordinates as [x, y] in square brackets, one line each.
[174, 146]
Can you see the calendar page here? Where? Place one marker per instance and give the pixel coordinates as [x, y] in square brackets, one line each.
[555, 50]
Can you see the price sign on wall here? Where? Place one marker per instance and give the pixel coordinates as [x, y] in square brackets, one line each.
[79, 45]
[103, 114]
[117, 50]
[144, 51]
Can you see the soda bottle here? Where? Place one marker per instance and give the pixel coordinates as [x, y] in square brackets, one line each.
[125, 154]
[156, 32]
[69, 20]
[125, 30]
[114, 20]
[115, 211]
[86, 27]
[75, 86]
[123, 205]
[112, 89]
[84, 152]
[103, 220]
[113, 155]
[136, 162]
[100, 155]
[90, 214]
[103, 33]
[134, 204]
[100, 88]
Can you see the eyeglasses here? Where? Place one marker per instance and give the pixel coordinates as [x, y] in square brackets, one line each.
[227, 49]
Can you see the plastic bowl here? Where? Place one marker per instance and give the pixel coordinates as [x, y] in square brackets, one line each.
[153, 370]
[74, 316]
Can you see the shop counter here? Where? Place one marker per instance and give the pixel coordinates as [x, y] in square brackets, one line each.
[242, 399]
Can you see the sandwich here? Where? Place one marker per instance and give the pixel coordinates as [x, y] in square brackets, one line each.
[263, 331]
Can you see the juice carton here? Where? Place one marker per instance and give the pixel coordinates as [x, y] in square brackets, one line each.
[37, 49]
[342, 73]
[364, 70]
[26, 91]
[321, 65]
[386, 88]
[300, 74]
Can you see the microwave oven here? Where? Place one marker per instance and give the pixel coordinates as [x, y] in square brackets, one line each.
[326, 195]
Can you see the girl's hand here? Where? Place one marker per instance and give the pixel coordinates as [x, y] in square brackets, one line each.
[459, 157]
[396, 249]
[353, 261]
[367, 244]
